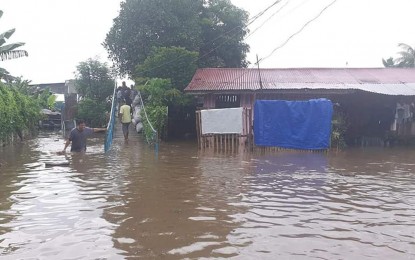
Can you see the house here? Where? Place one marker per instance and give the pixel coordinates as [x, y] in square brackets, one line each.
[376, 102]
[56, 88]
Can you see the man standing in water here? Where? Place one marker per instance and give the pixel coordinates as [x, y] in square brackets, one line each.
[125, 118]
[78, 136]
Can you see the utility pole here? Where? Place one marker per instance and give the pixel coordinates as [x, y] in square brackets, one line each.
[259, 72]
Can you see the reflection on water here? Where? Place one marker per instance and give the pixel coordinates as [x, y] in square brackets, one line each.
[186, 204]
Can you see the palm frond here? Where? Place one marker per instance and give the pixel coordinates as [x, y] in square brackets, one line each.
[11, 46]
[405, 63]
[6, 35]
[406, 55]
[3, 72]
[5, 75]
[388, 63]
[406, 47]
[14, 54]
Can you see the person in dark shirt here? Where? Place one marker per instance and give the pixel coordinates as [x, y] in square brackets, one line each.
[79, 135]
[126, 93]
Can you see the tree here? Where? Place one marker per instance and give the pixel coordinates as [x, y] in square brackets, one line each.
[18, 111]
[214, 28]
[9, 51]
[180, 71]
[223, 31]
[94, 83]
[93, 112]
[389, 62]
[142, 25]
[406, 58]
[158, 94]
[93, 80]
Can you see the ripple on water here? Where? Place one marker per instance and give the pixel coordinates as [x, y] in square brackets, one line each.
[191, 205]
[198, 246]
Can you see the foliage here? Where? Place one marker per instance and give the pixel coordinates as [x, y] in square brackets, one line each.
[5, 75]
[157, 115]
[180, 72]
[224, 27]
[160, 92]
[23, 86]
[93, 80]
[9, 51]
[51, 102]
[93, 112]
[406, 58]
[17, 111]
[157, 95]
[338, 130]
[142, 25]
[42, 98]
[388, 63]
[214, 28]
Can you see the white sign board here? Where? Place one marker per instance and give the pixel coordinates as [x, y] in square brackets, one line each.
[222, 121]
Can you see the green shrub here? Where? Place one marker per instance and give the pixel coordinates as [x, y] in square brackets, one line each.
[93, 112]
[158, 118]
[18, 111]
[338, 131]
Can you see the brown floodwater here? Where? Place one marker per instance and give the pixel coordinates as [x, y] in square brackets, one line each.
[186, 204]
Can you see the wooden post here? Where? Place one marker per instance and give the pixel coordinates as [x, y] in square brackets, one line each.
[233, 142]
[227, 143]
[221, 142]
[198, 129]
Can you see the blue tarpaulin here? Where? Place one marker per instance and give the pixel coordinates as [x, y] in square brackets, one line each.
[293, 124]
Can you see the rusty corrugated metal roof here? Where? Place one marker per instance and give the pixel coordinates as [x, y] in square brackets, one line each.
[389, 81]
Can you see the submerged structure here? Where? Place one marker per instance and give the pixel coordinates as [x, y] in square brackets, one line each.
[372, 106]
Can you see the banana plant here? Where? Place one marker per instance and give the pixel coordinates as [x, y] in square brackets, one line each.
[9, 51]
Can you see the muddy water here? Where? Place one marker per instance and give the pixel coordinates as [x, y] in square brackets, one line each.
[359, 204]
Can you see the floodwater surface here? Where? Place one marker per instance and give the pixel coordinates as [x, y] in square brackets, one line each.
[187, 204]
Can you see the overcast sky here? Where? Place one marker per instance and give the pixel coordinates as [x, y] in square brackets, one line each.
[354, 33]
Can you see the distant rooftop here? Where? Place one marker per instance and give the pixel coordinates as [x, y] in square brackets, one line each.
[389, 81]
[58, 88]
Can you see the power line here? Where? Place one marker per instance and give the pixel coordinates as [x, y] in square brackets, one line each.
[267, 20]
[266, 10]
[250, 20]
[299, 31]
[253, 20]
[282, 45]
[289, 12]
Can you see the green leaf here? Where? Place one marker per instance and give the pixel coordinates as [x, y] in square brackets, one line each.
[6, 35]
[215, 29]
[10, 47]
[8, 55]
